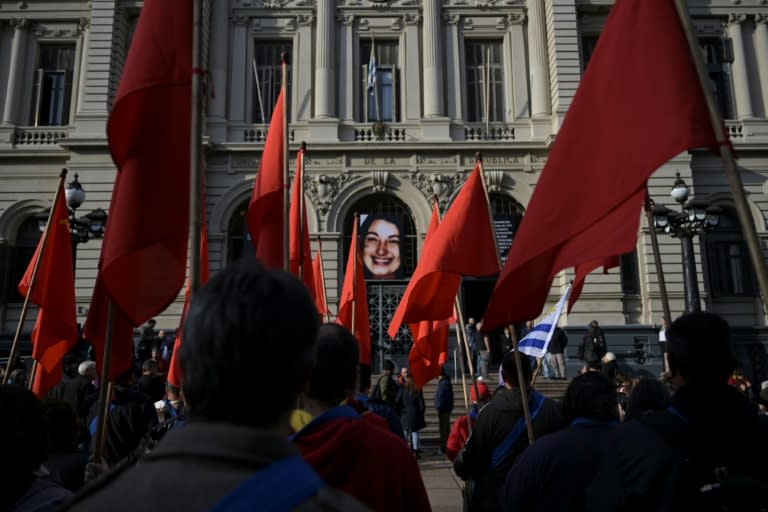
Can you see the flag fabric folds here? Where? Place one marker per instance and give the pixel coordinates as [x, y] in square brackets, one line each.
[300, 254]
[638, 105]
[265, 211]
[317, 273]
[353, 301]
[535, 343]
[430, 337]
[372, 68]
[143, 256]
[462, 244]
[55, 330]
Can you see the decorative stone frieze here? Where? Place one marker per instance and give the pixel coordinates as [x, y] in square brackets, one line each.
[441, 185]
[324, 188]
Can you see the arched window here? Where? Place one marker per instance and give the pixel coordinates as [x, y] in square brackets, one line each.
[19, 256]
[238, 238]
[729, 270]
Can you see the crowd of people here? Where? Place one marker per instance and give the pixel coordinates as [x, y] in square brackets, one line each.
[277, 413]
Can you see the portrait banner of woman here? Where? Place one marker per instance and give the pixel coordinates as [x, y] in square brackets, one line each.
[380, 241]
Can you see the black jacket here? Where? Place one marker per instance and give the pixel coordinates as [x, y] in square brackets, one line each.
[644, 466]
[558, 342]
[494, 422]
[412, 409]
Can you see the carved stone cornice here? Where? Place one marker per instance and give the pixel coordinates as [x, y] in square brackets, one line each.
[736, 19]
[441, 185]
[346, 19]
[19, 23]
[305, 20]
[494, 180]
[451, 19]
[83, 24]
[411, 18]
[324, 188]
[379, 179]
[761, 18]
[240, 20]
[516, 18]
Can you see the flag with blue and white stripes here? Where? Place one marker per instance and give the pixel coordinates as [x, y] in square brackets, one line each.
[535, 342]
[372, 68]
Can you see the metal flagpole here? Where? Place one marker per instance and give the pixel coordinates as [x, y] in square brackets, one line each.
[32, 279]
[518, 360]
[195, 150]
[731, 173]
[105, 391]
[657, 258]
[286, 196]
[299, 178]
[322, 278]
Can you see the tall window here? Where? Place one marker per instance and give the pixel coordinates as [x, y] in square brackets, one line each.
[717, 53]
[588, 44]
[53, 85]
[238, 238]
[485, 81]
[19, 257]
[630, 276]
[381, 100]
[268, 76]
[730, 271]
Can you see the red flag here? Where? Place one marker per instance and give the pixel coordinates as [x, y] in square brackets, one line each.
[317, 273]
[55, 331]
[265, 211]
[299, 253]
[462, 245]
[639, 104]
[43, 380]
[430, 337]
[175, 373]
[143, 257]
[353, 302]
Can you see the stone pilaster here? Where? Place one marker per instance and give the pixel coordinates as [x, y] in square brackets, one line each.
[541, 102]
[433, 67]
[739, 67]
[761, 50]
[325, 74]
[15, 70]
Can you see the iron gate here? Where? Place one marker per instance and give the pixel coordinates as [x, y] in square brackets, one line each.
[383, 300]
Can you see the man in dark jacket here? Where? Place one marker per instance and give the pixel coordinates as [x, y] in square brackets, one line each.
[557, 350]
[246, 329]
[499, 436]
[444, 406]
[377, 405]
[705, 452]
[552, 474]
[593, 345]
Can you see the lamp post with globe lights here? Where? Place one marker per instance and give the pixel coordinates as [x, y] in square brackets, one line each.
[697, 216]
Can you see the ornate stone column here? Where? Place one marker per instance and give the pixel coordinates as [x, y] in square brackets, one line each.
[217, 62]
[82, 51]
[325, 74]
[433, 67]
[739, 67]
[761, 49]
[238, 57]
[452, 65]
[15, 73]
[541, 100]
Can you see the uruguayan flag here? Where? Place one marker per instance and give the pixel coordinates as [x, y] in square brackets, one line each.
[535, 342]
[372, 69]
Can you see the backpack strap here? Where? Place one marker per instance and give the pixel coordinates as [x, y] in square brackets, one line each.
[502, 450]
[281, 486]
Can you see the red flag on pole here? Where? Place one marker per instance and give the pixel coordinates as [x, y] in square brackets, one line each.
[144, 254]
[55, 331]
[430, 337]
[175, 373]
[318, 274]
[639, 104]
[353, 301]
[43, 381]
[300, 253]
[265, 211]
[432, 290]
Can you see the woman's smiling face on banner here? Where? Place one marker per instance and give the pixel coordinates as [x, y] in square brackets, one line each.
[381, 249]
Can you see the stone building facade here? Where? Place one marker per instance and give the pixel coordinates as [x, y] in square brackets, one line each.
[453, 77]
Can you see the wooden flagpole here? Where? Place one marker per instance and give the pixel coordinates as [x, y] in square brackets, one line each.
[32, 373]
[657, 257]
[518, 360]
[300, 183]
[322, 279]
[286, 195]
[354, 273]
[32, 279]
[195, 150]
[105, 391]
[726, 153]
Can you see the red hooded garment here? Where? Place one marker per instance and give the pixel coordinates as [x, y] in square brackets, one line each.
[361, 457]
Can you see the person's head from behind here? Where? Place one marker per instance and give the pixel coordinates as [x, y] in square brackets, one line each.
[69, 365]
[594, 366]
[380, 242]
[509, 369]
[247, 330]
[388, 367]
[699, 350]
[18, 377]
[61, 424]
[591, 396]
[334, 374]
[24, 435]
[647, 395]
[150, 367]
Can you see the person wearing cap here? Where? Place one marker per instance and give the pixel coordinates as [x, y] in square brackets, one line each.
[610, 367]
[460, 428]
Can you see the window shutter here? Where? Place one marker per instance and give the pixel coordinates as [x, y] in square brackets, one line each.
[395, 95]
[65, 114]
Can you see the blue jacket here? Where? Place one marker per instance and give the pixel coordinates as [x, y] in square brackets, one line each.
[444, 395]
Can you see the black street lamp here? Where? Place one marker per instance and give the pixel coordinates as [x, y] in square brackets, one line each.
[83, 228]
[697, 217]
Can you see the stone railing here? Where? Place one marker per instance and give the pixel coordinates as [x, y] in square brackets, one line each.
[381, 133]
[44, 135]
[735, 131]
[260, 134]
[493, 131]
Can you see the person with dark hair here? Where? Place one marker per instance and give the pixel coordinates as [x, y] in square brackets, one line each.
[706, 451]
[345, 447]
[444, 406]
[151, 382]
[553, 473]
[380, 239]
[647, 395]
[247, 330]
[386, 387]
[593, 345]
[499, 436]
[65, 462]
[26, 483]
[410, 403]
[377, 405]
